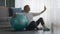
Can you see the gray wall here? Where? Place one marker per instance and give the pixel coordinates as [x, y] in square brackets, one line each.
[3, 13]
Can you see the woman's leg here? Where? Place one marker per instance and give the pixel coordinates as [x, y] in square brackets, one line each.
[40, 20]
[34, 24]
[31, 26]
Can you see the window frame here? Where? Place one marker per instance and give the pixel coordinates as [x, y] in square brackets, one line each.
[6, 5]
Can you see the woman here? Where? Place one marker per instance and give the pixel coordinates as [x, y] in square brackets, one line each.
[33, 24]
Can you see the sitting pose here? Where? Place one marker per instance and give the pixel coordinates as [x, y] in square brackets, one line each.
[33, 24]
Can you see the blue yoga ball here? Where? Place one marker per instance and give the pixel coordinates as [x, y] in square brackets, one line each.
[20, 22]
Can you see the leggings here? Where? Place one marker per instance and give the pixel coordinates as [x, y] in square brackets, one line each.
[34, 24]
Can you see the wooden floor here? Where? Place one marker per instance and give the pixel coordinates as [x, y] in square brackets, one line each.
[55, 30]
[11, 31]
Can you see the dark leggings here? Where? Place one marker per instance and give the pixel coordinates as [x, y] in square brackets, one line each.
[34, 24]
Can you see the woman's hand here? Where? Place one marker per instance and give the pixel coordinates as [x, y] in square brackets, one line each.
[44, 9]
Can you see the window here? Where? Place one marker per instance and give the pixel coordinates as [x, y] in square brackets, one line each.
[10, 3]
[2, 2]
[7, 3]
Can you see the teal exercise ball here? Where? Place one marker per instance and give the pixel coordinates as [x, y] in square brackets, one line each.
[20, 22]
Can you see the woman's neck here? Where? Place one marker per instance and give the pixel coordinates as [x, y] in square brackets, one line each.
[25, 11]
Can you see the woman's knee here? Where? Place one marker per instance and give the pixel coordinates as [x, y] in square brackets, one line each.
[41, 18]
